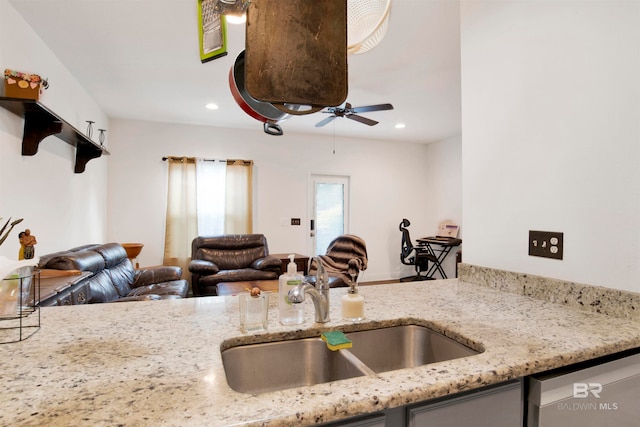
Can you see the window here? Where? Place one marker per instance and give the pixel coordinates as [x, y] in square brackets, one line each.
[205, 197]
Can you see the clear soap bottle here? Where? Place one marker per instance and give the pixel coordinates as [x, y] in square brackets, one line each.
[290, 314]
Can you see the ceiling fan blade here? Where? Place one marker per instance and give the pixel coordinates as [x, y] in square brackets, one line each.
[361, 119]
[325, 121]
[368, 108]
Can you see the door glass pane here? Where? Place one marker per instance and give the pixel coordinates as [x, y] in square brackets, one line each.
[329, 214]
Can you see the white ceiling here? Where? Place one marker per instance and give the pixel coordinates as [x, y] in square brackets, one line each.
[139, 60]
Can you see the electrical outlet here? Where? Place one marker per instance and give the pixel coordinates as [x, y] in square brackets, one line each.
[295, 221]
[546, 244]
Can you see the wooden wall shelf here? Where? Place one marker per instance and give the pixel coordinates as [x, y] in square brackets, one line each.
[40, 122]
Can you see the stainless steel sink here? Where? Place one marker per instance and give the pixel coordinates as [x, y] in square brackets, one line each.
[407, 346]
[259, 368]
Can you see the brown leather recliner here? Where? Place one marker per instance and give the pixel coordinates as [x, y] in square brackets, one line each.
[230, 258]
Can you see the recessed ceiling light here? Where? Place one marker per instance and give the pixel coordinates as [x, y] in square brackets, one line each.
[400, 126]
[211, 106]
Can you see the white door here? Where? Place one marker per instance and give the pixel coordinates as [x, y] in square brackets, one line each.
[330, 210]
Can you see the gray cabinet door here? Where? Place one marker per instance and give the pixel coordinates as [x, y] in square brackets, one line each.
[602, 395]
[376, 421]
[497, 406]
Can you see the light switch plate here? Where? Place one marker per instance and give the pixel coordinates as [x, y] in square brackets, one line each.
[546, 244]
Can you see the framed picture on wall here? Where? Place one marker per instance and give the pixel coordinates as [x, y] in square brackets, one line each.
[212, 31]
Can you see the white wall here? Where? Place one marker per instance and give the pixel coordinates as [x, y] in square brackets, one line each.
[121, 197]
[389, 181]
[61, 208]
[551, 136]
[443, 190]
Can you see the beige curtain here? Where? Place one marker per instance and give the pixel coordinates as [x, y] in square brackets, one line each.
[239, 197]
[182, 205]
[181, 221]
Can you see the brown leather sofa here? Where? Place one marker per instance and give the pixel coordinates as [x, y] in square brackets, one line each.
[113, 277]
[230, 258]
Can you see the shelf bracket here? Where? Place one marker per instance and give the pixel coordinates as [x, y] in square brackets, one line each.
[84, 153]
[36, 128]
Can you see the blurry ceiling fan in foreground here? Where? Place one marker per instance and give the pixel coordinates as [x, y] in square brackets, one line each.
[352, 113]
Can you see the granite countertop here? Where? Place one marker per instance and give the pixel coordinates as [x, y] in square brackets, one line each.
[158, 363]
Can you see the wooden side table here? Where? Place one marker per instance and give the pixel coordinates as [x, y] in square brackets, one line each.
[63, 287]
[302, 261]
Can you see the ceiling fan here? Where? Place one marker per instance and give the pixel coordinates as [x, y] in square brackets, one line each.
[352, 113]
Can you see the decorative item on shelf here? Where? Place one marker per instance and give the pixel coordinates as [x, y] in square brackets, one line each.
[101, 136]
[89, 128]
[23, 85]
[133, 250]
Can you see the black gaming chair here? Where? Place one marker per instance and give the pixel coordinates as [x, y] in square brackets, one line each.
[414, 255]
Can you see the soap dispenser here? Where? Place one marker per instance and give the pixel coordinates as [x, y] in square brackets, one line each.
[290, 314]
[353, 302]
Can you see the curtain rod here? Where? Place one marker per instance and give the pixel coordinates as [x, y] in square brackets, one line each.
[193, 159]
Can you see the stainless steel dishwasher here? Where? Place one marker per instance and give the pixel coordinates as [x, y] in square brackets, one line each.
[607, 394]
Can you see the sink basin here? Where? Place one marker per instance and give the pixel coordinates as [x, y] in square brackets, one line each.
[405, 346]
[259, 368]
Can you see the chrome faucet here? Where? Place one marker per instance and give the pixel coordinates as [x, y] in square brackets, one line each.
[319, 293]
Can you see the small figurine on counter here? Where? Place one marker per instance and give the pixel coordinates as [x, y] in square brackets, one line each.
[27, 243]
[21, 251]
